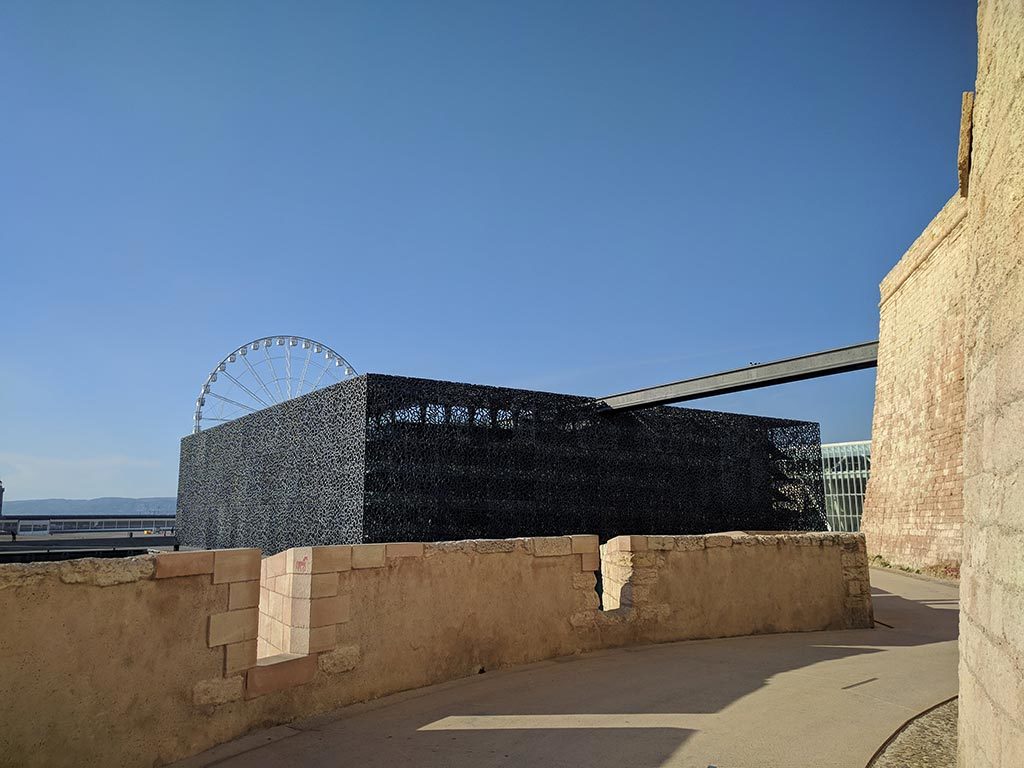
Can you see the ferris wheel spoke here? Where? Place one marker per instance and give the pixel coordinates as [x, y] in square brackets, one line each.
[288, 368]
[252, 394]
[318, 378]
[273, 372]
[258, 378]
[233, 402]
[305, 367]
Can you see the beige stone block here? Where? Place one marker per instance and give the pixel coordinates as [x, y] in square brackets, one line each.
[263, 626]
[263, 648]
[296, 639]
[264, 599]
[590, 562]
[330, 610]
[628, 544]
[337, 557]
[279, 675]
[275, 605]
[339, 660]
[404, 549]
[233, 627]
[322, 638]
[236, 565]
[277, 634]
[661, 543]
[218, 690]
[172, 564]
[295, 612]
[551, 546]
[615, 545]
[718, 540]
[324, 585]
[584, 544]
[276, 565]
[368, 555]
[243, 594]
[299, 560]
[238, 657]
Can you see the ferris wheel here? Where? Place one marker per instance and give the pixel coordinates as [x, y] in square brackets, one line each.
[265, 372]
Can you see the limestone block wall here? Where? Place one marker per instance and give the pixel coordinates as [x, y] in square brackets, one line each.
[913, 510]
[721, 585]
[300, 601]
[143, 661]
[992, 579]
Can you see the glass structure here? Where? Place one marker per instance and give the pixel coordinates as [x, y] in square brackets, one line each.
[844, 470]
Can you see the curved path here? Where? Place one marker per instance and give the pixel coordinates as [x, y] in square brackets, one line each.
[811, 699]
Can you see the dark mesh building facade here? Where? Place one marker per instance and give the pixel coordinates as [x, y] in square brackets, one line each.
[387, 458]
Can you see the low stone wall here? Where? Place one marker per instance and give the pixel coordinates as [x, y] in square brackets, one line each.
[721, 585]
[147, 660]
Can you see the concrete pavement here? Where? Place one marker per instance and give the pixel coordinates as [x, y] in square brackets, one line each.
[815, 699]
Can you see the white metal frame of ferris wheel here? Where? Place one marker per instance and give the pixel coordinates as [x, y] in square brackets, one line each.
[265, 392]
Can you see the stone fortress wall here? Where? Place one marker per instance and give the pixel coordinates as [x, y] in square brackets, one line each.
[146, 660]
[913, 511]
[947, 482]
[992, 578]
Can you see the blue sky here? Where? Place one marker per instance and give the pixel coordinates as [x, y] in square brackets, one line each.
[582, 197]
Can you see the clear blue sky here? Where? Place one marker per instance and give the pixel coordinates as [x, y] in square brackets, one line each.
[581, 197]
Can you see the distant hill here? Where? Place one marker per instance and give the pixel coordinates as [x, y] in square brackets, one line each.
[109, 505]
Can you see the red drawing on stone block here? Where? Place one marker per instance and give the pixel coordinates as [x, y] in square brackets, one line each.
[300, 565]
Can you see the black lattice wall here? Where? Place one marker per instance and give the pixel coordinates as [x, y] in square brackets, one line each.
[386, 458]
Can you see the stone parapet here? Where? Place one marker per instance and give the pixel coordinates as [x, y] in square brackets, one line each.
[221, 642]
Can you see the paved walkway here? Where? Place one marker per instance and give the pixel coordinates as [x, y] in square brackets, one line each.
[814, 699]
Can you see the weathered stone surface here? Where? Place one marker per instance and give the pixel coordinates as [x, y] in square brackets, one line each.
[551, 546]
[689, 543]
[913, 511]
[218, 690]
[718, 540]
[991, 631]
[339, 660]
[492, 546]
[584, 581]
[106, 572]
[963, 155]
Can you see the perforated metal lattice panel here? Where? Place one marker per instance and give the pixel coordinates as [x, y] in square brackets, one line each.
[385, 458]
